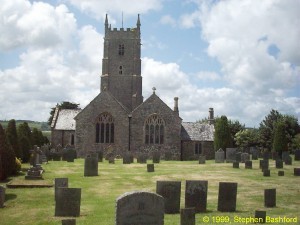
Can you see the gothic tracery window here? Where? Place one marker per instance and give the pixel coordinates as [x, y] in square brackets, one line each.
[105, 129]
[154, 130]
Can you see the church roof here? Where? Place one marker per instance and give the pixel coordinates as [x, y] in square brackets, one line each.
[65, 119]
[195, 131]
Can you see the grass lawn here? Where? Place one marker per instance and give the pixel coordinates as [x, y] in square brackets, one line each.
[36, 205]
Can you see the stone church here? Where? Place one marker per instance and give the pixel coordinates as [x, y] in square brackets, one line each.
[119, 120]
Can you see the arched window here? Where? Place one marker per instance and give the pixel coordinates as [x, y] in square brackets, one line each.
[105, 129]
[154, 130]
[72, 139]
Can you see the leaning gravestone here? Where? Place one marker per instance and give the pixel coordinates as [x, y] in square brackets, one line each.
[68, 222]
[248, 165]
[219, 156]
[135, 208]
[150, 167]
[91, 165]
[236, 165]
[227, 197]
[296, 171]
[260, 215]
[196, 195]
[230, 155]
[245, 157]
[170, 191]
[202, 159]
[187, 216]
[60, 183]
[288, 160]
[68, 202]
[297, 155]
[156, 157]
[279, 164]
[2, 196]
[270, 197]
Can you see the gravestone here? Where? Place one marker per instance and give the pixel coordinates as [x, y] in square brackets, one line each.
[280, 173]
[60, 183]
[127, 158]
[245, 157]
[296, 171]
[100, 155]
[279, 164]
[236, 165]
[254, 153]
[150, 167]
[270, 197]
[202, 159]
[230, 155]
[68, 222]
[248, 165]
[285, 155]
[266, 173]
[142, 158]
[219, 156]
[68, 202]
[170, 191]
[91, 165]
[297, 155]
[168, 155]
[137, 208]
[238, 157]
[275, 155]
[111, 160]
[266, 155]
[196, 195]
[2, 196]
[227, 197]
[156, 157]
[261, 216]
[70, 155]
[288, 160]
[187, 216]
[264, 164]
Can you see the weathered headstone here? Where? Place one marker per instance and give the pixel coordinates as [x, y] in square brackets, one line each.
[150, 167]
[279, 164]
[170, 191]
[230, 155]
[187, 216]
[219, 156]
[168, 155]
[288, 160]
[91, 165]
[248, 165]
[68, 222]
[227, 197]
[70, 155]
[264, 164]
[127, 158]
[100, 155]
[280, 173]
[236, 165]
[135, 208]
[156, 157]
[266, 173]
[68, 202]
[238, 157]
[245, 157]
[2, 196]
[196, 195]
[260, 216]
[142, 158]
[202, 159]
[254, 153]
[285, 155]
[270, 197]
[297, 171]
[297, 155]
[60, 183]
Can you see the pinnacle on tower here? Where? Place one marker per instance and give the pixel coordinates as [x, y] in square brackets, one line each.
[138, 23]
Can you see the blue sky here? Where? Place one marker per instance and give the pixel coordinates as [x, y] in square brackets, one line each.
[240, 57]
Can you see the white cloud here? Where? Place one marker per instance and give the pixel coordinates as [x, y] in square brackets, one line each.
[168, 20]
[208, 76]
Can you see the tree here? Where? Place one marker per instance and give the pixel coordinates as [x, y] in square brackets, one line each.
[7, 156]
[222, 133]
[247, 138]
[12, 138]
[296, 142]
[234, 127]
[25, 140]
[280, 140]
[62, 105]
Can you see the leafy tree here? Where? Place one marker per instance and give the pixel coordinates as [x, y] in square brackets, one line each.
[12, 138]
[234, 127]
[7, 156]
[280, 140]
[62, 105]
[222, 137]
[25, 140]
[247, 138]
[296, 142]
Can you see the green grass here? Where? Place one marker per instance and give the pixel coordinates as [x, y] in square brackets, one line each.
[36, 205]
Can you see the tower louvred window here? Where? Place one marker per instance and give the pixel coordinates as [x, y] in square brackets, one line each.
[121, 49]
[154, 130]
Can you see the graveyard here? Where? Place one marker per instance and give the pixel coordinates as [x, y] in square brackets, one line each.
[99, 192]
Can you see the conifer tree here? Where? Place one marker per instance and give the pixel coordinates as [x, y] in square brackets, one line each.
[12, 138]
[24, 136]
[280, 141]
[222, 136]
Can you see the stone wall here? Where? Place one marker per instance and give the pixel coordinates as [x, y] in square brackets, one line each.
[188, 150]
[61, 137]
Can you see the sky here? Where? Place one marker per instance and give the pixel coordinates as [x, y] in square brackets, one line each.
[240, 57]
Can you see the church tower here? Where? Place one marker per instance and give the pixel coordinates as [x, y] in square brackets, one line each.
[121, 64]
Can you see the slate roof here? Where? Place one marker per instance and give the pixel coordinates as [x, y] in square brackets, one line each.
[194, 131]
[65, 119]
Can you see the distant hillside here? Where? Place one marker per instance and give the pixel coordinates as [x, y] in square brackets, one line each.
[43, 126]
